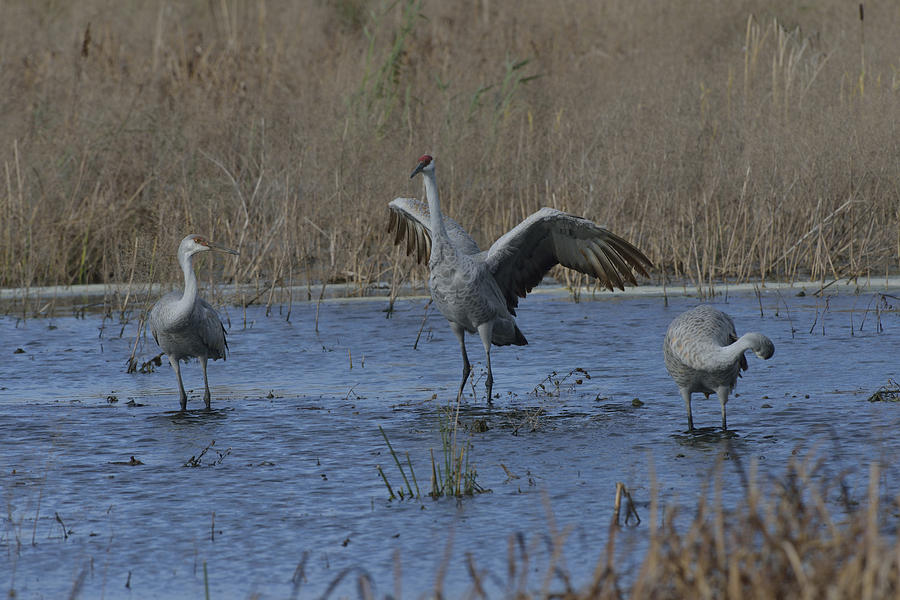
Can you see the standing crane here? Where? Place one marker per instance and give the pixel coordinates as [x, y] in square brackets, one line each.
[479, 291]
[704, 354]
[185, 325]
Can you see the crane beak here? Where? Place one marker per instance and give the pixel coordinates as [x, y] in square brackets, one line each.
[417, 170]
[219, 248]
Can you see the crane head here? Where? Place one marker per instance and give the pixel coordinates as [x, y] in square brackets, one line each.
[426, 163]
[194, 244]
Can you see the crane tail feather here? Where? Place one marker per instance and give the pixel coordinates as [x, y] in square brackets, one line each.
[520, 338]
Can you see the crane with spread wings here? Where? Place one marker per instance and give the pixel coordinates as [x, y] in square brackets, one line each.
[479, 291]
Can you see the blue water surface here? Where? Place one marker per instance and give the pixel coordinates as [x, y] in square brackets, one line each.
[286, 500]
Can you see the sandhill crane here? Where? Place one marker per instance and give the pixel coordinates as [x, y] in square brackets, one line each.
[704, 354]
[479, 291]
[185, 325]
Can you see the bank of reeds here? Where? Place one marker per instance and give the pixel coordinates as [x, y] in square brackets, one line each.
[746, 140]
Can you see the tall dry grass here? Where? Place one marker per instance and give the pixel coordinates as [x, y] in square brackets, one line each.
[801, 534]
[753, 139]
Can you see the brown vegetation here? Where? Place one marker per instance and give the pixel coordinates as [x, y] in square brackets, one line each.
[752, 139]
[799, 536]
[784, 540]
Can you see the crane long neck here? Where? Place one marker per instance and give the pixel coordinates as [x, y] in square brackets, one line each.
[438, 231]
[727, 355]
[186, 304]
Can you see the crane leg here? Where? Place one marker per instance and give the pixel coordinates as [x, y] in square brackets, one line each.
[206, 396]
[181, 395]
[687, 404]
[467, 368]
[485, 330]
[722, 393]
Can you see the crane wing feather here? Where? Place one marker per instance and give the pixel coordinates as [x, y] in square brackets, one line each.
[211, 330]
[153, 326]
[521, 257]
[410, 220]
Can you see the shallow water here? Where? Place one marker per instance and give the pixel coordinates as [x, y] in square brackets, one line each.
[288, 499]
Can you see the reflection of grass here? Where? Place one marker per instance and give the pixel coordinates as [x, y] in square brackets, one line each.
[451, 473]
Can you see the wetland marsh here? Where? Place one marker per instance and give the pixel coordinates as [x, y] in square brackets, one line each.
[288, 499]
[751, 141]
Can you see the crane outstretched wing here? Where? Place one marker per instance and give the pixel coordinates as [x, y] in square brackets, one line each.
[410, 219]
[522, 256]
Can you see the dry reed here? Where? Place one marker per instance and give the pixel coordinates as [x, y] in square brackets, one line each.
[800, 535]
[748, 140]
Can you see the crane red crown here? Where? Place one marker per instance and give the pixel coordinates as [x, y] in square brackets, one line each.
[425, 159]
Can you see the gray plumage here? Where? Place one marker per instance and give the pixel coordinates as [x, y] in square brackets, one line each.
[704, 354]
[479, 291]
[185, 325]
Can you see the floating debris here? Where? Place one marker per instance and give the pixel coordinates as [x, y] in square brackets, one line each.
[133, 462]
[630, 510]
[66, 531]
[509, 474]
[554, 382]
[887, 393]
[479, 425]
[150, 365]
[197, 461]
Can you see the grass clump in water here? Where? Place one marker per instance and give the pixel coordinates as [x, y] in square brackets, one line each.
[452, 473]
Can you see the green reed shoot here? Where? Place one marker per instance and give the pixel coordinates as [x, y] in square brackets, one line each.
[452, 474]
